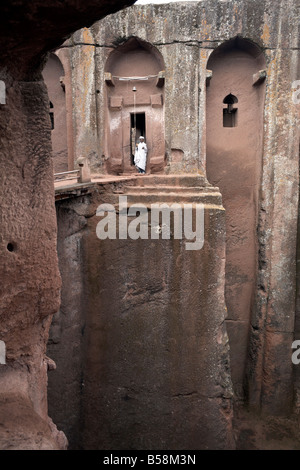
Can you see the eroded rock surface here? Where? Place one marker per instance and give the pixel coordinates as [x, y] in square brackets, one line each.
[30, 280]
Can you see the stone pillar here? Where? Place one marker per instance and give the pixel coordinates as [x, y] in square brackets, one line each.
[30, 282]
[84, 170]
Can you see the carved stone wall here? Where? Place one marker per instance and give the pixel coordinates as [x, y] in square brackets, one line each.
[30, 280]
[261, 273]
[186, 35]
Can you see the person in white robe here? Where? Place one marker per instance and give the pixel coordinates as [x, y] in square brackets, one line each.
[140, 157]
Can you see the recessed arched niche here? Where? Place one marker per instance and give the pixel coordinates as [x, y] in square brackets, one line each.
[134, 78]
[235, 94]
[53, 74]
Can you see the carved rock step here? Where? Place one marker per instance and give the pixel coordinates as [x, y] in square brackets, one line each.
[169, 189]
[144, 197]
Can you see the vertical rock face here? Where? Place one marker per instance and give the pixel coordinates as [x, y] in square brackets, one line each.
[152, 337]
[68, 325]
[252, 155]
[30, 281]
[178, 320]
[234, 129]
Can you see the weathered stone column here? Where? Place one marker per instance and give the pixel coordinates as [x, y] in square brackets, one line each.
[30, 281]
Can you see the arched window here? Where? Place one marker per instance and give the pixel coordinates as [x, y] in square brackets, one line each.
[230, 113]
[51, 113]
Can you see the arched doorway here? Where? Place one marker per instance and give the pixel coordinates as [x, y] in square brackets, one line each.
[53, 74]
[235, 104]
[134, 76]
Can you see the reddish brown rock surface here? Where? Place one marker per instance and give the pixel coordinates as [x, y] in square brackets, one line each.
[140, 335]
[137, 348]
[255, 165]
[30, 281]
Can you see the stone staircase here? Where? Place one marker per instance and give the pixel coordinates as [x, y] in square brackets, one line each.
[172, 189]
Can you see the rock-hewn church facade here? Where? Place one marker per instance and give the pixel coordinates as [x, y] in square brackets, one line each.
[156, 346]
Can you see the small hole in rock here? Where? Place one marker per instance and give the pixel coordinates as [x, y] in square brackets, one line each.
[10, 247]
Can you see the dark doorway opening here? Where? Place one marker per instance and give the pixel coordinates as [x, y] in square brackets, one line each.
[229, 117]
[230, 113]
[138, 128]
[51, 114]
